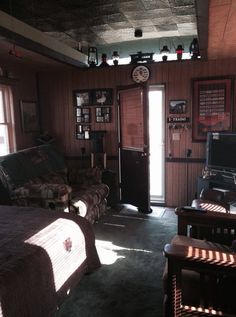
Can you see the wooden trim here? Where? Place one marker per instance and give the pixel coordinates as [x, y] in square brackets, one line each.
[184, 160]
[40, 49]
[87, 158]
[202, 12]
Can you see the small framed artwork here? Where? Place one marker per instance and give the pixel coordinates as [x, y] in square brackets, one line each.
[103, 114]
[83, 132]
[102, 97]
[82, 98]
[29, 116]
[177, 106]
[212, 106]
[82, 115]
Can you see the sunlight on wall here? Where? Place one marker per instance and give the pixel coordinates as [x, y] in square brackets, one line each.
[64, 243]
[109, 252]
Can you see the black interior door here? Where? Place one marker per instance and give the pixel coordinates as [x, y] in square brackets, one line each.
[134, 147]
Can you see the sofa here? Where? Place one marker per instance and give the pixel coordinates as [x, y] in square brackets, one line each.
[39, 177]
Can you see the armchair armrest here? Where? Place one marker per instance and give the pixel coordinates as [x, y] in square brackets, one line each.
[200, 259]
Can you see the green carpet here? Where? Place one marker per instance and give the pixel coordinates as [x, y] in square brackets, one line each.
[129, 283]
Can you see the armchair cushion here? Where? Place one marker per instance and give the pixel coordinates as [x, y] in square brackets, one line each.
[85, 177]
[211, 199]
[54, 196]
[212, 194]
[47, 191]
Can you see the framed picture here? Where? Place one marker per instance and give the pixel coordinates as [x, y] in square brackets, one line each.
[177, 106]
[82, 98]
[102, 97]
[212, 106]
[29, 116]
[82, 115]
[82, 132]
[103, 114]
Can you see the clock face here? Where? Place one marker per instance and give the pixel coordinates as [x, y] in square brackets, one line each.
[140, 74]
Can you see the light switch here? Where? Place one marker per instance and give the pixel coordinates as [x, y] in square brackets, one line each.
[176, 136]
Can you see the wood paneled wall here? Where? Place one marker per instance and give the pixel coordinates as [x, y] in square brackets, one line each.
[58, 115]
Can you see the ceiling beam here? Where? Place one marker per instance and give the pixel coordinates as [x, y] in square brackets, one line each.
[28, 37]
[202, 12]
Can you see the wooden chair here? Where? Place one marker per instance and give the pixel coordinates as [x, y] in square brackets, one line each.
[217, 275]
[200, 275]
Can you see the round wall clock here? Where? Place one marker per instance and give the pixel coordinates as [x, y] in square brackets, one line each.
[140, 73]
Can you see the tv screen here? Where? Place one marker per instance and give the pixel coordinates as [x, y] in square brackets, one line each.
[221, 151]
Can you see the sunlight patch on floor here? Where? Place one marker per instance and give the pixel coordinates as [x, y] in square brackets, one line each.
[109, 252]
[128, 210]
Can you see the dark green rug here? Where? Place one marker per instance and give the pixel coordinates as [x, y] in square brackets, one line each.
[129, 283]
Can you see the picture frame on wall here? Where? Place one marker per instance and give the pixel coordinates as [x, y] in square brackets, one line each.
[102, 97]
[29, 116]
[212, 106]
[83, 132]
[177, 106]
[82, 115]
[103, 114]
[82, 98]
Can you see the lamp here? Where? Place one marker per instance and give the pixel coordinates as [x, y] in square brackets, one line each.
[92, 56]
[179, 51]
[104, 61]
[164, 52]
[194, 49]
[115, 58]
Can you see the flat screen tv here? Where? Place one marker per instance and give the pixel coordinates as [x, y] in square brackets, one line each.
[221, 151]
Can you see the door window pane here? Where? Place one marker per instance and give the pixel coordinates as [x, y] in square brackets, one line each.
[132, 119]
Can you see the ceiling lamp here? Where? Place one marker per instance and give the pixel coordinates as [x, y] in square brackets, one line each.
[138, 33]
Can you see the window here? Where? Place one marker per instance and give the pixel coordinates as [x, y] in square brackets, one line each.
[7, 133]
